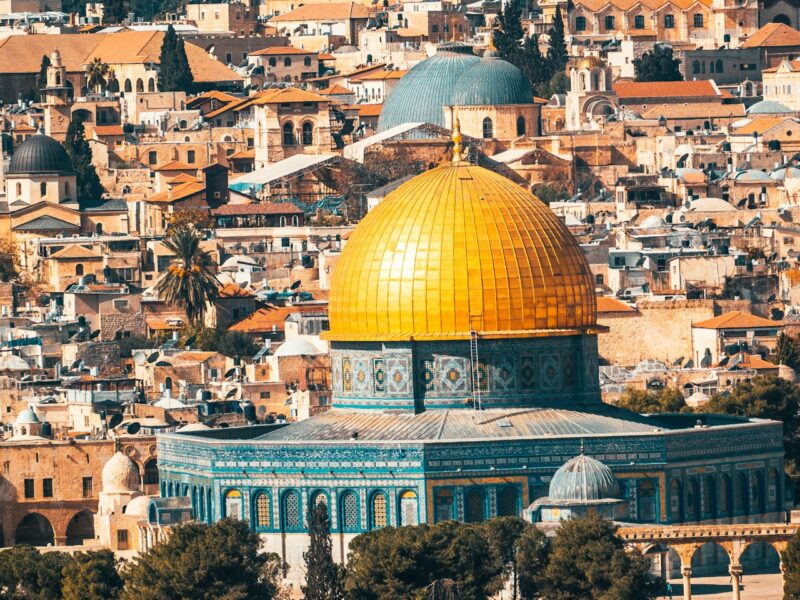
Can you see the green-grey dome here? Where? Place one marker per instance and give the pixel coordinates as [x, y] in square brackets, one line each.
[492, 81]
[40, 154]
[423, 92]
[583, 479]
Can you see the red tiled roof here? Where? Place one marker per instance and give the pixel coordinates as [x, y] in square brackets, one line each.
[264, 208]
[664, 89]
[737, 320]
[231, 290]
[280, 51]
[773, 35]
[332, 11]
[605, 304]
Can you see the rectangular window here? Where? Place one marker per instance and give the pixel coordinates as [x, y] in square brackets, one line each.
[580, 24]
[619, 261]
[610, 22]
[47, 487]
[28, 483]
[669, 21]
[152, 157]
[190, 157]
[87, 487]
[122, 536]
[638, 22]
[121, 305]
[434, 28]
[264, 395]
[698, 20]
[228, 58]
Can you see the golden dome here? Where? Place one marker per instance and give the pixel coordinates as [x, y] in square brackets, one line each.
[590, 62]
[456, 249]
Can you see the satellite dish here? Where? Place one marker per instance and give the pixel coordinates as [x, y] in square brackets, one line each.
[190, 341]
[152, 358]
[296, 285]
[94, 334]
[115, 420]
[232, 392]
[134, 428]
[230, 372]
[139, 357]
[75, 365]
[163, 363]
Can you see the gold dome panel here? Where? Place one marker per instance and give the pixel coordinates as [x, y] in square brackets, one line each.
[456, 249]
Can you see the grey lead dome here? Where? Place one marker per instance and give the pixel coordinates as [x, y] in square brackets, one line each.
[583, 479]
[40, 154]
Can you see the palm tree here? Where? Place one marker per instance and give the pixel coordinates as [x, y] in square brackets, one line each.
[97, 73]
[188, 282]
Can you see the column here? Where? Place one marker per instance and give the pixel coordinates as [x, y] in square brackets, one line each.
[736, 578]
[686, 572]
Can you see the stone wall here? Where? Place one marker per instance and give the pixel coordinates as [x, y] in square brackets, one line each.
[99, 354]
[659, 330]
[133, 323]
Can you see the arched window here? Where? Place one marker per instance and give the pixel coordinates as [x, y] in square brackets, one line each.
[488, 129]
[288, 134]
[378, 518]
[291, 518]
[348, 507]
[444, 506]
[151, 471]
[282, 221]
[675, 501]
[168, 383]
[696, 67]
[720, 66]
[295, 221]
[287, 62]
[475, 502]
[724, 496]
[263, 511]
[409, 512]
[520, 125]
[741, 491]
[19, 189]
[273, 62]
[98, 228]
[757, 493]
[128, 87]
[139, 85]
[43, 189]
[233, 504]
[508, 502]
[151, 85]
[79, 269]
[308, 134]
[66, 188]
[709, 498]
[692, 497]
[646, 501]
[307, 61]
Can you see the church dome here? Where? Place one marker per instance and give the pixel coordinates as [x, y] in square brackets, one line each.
[421, 94]
[27, 417]
[591, 62]
[492, 81]
[583, 479]
[456, 249]
[120, 474]
[40, 154]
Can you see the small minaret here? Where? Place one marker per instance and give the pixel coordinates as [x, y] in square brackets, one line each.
[56, 92]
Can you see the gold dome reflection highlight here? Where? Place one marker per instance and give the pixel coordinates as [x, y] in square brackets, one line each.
[456, 249]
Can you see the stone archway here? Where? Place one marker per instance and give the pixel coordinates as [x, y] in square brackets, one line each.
[80, 528]
[34, 530]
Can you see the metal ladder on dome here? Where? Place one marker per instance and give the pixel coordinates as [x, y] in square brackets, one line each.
[475, 370]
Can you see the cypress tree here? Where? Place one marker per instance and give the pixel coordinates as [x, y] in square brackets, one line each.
[174, 74]
[115, 11]
[90, 191]
[323, 576]
[507, 37]
[557, 53]
[41, 78]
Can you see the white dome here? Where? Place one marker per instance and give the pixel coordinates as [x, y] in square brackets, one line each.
[26, 417]
[12, 362]
[653, 222]
[194, 427]
[169, 402]
[120, 474]
[710, 205]
[138, 507]
[297, 348]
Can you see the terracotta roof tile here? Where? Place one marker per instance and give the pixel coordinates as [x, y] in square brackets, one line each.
[335, 90]
[243, 155]
[665, 89]
[175, 165]
[772, 35]
[231, 290]
[369, 110]
[606, 304]
[263, 208]
[289, 94]
[76, 252]
[281, 51]
[693, 110]
[324, 12]
[737, 320]
[103, 130]
[759, 125]
[380, 75]
[264, 319]
[179, 192]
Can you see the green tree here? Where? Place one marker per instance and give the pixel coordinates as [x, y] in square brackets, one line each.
[786, 351]
[531, 561]
[27, 574]
[174, 74]
[557, 54]
[9, 260]
[533, 65]
[557, 84]
[509, 32]
[204, 562]
[115, 11]
[41, 78]
[588, 560]
[766, 397]
[90, 191]
[98, 74]
[790, 560]
[658, 65]
[229, 343]
[666, 400]
[323, 576]
[188, 282]
[91, 576]
[503, 535]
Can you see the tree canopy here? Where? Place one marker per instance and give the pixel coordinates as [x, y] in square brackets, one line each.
[41, 78]
[174, 74]
[204, 562]
[90, 190]
[666, 400]
[790, 561]
[323, 576]
[787, 351]
[658, 64]
[115, 11]
[91, 576]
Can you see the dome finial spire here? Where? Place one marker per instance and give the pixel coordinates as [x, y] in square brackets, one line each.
[456, 137]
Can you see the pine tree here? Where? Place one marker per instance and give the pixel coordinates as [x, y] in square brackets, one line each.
[175, 75]
[323, 576]
[41, 79]
[508, 37]
[557, 53]
[90, 191]
[658, 65]
[535, 68]
[115, 11]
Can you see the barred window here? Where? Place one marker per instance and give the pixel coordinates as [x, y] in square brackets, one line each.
[263, 511]
[349, 511]
[475, 502]
[507, 505]
[379, 511]
[291, 511]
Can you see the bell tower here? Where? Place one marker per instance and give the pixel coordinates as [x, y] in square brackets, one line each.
[56, 91]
